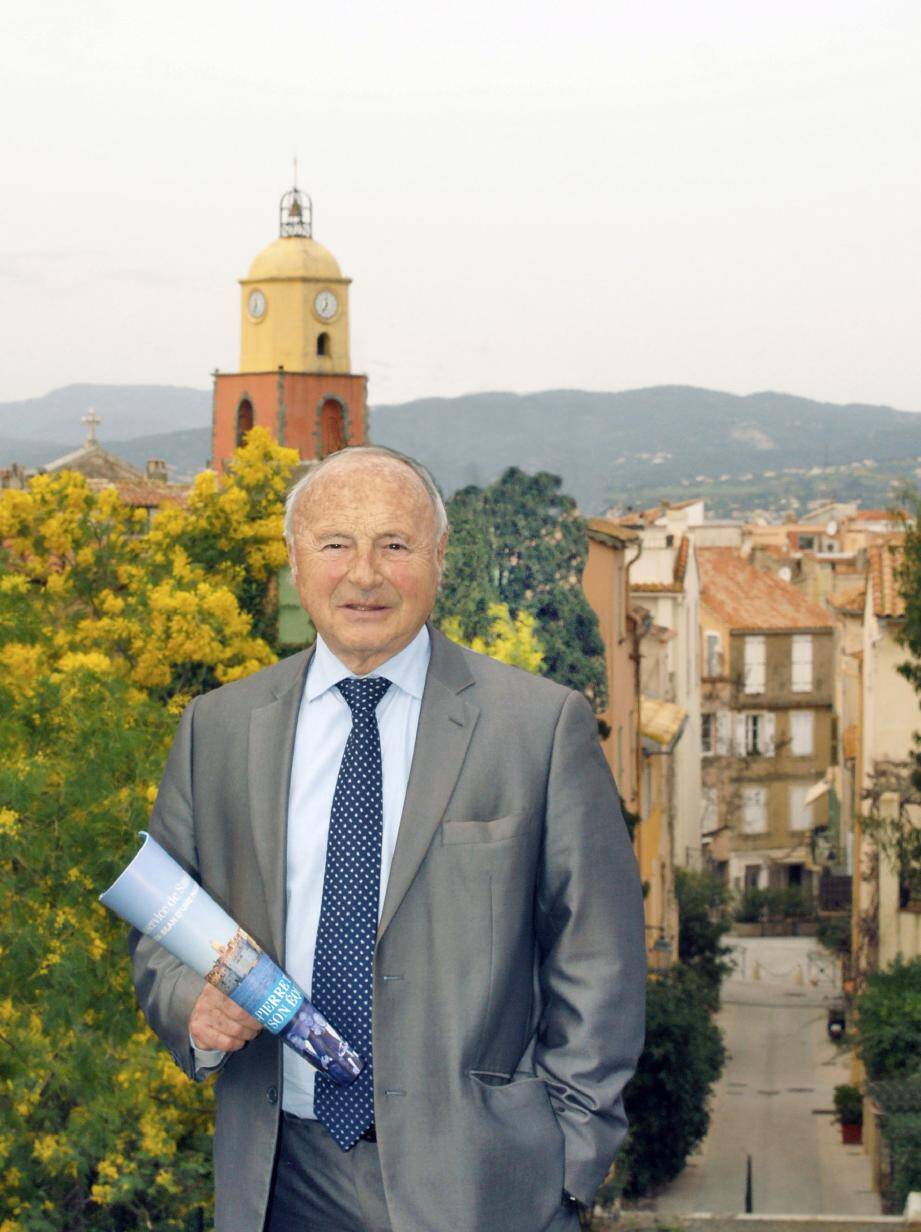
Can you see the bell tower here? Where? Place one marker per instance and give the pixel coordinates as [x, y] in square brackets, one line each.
[295, 374]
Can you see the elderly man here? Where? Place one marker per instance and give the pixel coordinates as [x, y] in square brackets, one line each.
[432, 845]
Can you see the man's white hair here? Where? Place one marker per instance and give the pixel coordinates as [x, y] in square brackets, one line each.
[363, 451]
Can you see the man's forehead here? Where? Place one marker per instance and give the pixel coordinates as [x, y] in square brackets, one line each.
[388, 480]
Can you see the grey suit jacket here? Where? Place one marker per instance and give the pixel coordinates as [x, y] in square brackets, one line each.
[510, 969]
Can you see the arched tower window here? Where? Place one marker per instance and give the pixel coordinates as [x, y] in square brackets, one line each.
[323, 344]
[332, 428]
[244, 419]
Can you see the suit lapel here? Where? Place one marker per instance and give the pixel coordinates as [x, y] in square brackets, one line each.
[446, 723]
[271, 750]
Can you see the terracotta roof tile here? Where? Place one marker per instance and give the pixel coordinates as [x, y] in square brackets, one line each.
[851, 600]
[885, 559]
[681, 559]
[151, 495]
[745, 597]
[607, 529]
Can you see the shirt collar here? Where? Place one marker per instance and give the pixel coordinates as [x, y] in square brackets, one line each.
[407, 669]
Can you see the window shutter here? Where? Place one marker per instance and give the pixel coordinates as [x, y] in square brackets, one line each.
[801, 733]
[712, 641]
[801, 663]
[767, 734]
[738, 735]
[754, 664]
[723, 733]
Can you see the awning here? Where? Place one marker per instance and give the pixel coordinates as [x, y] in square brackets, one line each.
[660, 721]
[796, 855]
[819, 789]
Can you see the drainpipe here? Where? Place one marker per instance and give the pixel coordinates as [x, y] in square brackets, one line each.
[635, 656]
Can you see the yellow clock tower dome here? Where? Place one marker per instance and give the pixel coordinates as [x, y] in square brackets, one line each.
[294, 375]
[294, 309]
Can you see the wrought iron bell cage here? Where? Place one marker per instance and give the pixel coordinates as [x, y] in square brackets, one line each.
[295, 214]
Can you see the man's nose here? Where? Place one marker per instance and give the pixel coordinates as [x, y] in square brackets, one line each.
[363, 571]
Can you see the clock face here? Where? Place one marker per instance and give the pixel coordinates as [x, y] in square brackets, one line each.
[326, 305]
[256, 305]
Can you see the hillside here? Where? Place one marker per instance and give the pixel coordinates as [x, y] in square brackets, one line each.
[125, 411]
[633, 447]
[762, 452]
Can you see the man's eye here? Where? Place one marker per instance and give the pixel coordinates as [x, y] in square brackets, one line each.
[396, 547]
[327, 546]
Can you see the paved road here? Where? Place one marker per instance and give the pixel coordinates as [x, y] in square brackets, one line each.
[782, 1068]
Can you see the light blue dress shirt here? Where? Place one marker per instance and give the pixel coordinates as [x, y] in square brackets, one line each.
[323, 726]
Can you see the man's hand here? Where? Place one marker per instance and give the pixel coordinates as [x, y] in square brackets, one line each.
[218, 1022]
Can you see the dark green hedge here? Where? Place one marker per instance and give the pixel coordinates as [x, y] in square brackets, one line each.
[668, 1097]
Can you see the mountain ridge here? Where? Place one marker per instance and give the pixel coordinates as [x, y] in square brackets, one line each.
[610, 447]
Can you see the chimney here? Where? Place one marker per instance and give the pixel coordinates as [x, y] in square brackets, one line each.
[156, 470]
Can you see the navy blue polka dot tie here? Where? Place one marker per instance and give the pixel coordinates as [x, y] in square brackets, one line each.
[344, 960]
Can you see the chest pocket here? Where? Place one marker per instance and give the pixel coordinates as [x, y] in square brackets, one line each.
[513, 825]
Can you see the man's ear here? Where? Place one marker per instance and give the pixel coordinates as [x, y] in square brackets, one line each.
[441, 548]
[292, 562]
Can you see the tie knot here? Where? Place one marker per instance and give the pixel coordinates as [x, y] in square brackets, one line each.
[363, 693]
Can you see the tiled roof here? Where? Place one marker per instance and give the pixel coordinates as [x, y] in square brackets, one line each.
[144, 493]
[745, 597]
[152, 495]
[608, 531]
[851, 600]
[885, 559]
[681, 560]
[873, 515]
[657, 588]
[648, 517]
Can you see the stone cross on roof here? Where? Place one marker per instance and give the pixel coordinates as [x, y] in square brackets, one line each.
[92, 421]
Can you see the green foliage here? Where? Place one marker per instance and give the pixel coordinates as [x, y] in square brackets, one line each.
[469, 586]
[908, 572]
[900, 838]
[107, 626]
[99, 1130]
[704, 918]
[779, 903]
[848, 1104]
[522, 542]
[667, 1099]
[510, 641]
[902, 1131]
[889, 1020]
[834, 932]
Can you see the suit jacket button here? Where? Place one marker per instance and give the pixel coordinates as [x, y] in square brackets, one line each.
[271, 1094]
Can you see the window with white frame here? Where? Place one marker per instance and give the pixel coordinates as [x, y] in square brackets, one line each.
[709, 817]
[754, 664]
[802, 727]
[800, 811]
[707, 724]
[754, 734]
[713, 653]
[801, 663]
[754, 810]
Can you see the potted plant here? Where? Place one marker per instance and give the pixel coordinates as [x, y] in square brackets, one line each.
[849, 1113]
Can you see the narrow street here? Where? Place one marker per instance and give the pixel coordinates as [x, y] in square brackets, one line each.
[775, 1097]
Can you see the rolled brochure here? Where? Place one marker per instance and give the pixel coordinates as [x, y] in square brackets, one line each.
[160, 899]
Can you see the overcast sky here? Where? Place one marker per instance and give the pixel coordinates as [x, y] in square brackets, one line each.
[527, 195]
